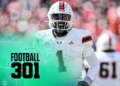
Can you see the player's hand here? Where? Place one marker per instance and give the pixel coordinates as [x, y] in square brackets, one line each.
[82, 83]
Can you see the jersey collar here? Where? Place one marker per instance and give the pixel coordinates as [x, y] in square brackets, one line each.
[68, 37]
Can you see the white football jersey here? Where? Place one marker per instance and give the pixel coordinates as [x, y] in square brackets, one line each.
[109, 74]
[65, 53]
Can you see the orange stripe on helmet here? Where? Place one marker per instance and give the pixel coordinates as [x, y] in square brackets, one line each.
[110, 43]
[61, 5]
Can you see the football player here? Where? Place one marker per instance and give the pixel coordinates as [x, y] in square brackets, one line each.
[109, 62]
[69, 45]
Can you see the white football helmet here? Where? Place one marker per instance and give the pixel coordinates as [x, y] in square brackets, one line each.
[106, 41]
[60, 16]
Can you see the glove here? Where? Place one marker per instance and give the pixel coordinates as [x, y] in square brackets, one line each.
[82, 83]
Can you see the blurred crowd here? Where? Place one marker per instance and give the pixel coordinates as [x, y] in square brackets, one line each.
[23, 18]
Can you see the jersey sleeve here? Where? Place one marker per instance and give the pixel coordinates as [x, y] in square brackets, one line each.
[87, 44]
[36, 39]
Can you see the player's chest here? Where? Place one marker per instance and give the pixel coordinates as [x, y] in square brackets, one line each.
[68, 49]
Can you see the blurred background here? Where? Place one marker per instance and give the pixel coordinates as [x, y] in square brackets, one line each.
[21, 19]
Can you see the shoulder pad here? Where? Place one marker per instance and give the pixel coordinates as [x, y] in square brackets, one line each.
[85, 35]
[39, 35]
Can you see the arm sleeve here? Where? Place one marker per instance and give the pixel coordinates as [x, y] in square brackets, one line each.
[89, 55]
[94, 65]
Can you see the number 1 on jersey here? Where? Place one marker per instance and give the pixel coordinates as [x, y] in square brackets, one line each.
[61, 67]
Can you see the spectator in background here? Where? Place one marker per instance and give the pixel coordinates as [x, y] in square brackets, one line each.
[3, 20]
[117, 45]
[89, 18]
[3, 4]
[112, 19]
[14, 5]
